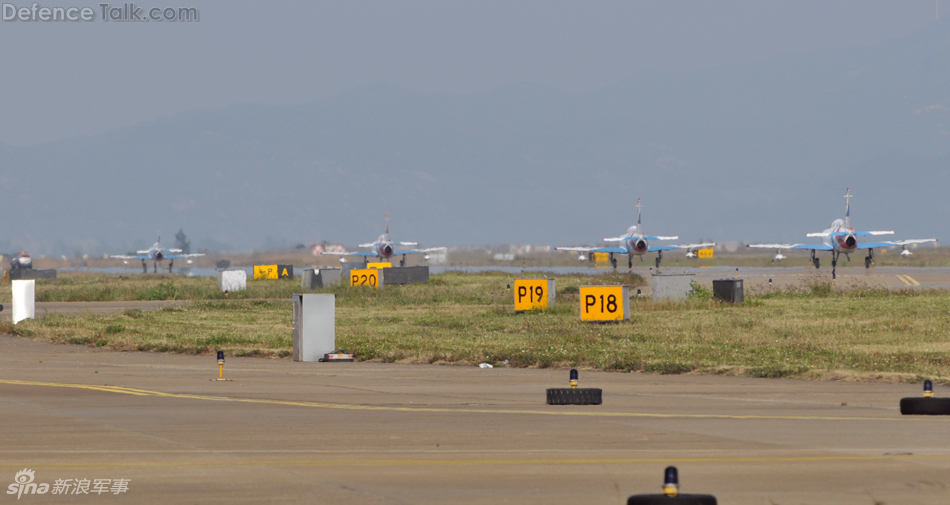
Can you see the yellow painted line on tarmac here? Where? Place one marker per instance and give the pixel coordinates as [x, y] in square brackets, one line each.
[908, 280]
[181, 465]
[427, 410]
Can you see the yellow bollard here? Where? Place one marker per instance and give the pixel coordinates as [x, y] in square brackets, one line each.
[221, 367]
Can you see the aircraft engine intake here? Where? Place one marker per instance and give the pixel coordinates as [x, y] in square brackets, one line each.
[641, 245]
[388, 250]
[850, 241]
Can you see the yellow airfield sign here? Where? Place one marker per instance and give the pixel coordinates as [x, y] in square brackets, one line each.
[379, 264]
[604, 303]
[265, 272]
[368, 277]
[602, 259]
[704, 253]
[532, 294]
[273, 272]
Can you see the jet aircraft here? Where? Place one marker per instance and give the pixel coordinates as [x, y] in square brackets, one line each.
[636, 243]
[385, 248]
[842, 239]
[157, 254]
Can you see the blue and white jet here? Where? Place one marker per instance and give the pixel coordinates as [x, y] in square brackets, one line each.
[156, 254]
[385, 248]
[842, 239]
[636, 243]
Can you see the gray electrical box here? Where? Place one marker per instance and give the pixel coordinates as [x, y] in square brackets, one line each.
[314, 326]
[729, 290]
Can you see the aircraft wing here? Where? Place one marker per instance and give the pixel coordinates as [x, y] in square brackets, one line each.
[872, 245]
[686, 246]
[914, 241]
[661, 238]
[358, 253]
[176, 256]
[845, 233]
[422, 251]
[127, 257]
[859, 233]
[405, 243]
[815, 247]
[615, 239]
[619, 250]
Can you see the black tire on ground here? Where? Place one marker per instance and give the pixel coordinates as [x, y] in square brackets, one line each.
[579, 396]
[921, 406]
[662, 499]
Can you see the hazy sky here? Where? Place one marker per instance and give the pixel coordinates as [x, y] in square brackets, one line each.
[64, 79]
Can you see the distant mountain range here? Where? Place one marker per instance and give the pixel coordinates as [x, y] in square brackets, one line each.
[753, 152]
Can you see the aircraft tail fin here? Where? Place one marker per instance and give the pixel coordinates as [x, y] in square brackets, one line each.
[847, 209]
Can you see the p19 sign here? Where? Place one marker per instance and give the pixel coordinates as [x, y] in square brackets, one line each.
[533, 294]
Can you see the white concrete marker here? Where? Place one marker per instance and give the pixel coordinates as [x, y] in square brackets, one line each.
[232, 280]
[23, 300]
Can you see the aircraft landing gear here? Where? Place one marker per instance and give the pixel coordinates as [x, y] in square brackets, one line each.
[834, 264]
[402, 262]
[869, 258]
[613, 261]
[155, 267]
[170, 263]
[144, 267]
[659, 258]
[814, 259]
[630, 261]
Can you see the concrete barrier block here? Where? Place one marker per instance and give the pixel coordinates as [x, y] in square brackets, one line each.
[671, 286]
[232, 280]
[315, 278]
[729, 290]
[32, 273]
[24, 306]
[407, 275]
[314, 332]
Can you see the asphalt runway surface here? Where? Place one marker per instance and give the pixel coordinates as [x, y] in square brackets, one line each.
[761, 280]
[370, 433]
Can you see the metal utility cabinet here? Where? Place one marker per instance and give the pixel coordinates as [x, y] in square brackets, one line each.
[314, 326]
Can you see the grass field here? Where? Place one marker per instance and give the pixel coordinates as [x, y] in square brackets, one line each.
[460, 318]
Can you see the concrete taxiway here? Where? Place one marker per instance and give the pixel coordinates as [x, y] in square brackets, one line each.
[370, 433]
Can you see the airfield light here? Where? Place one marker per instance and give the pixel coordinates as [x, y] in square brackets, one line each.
[220, 364]
[928, 388]
[671, 482]
[573, 381]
